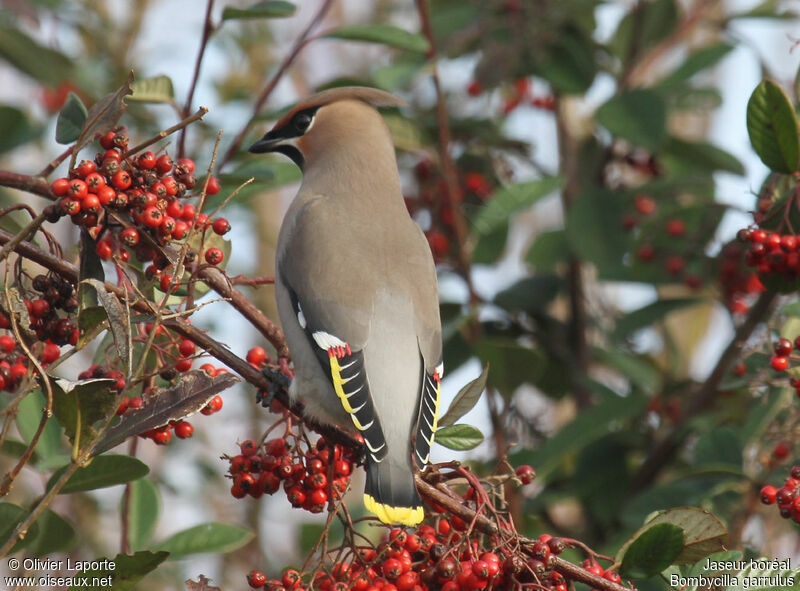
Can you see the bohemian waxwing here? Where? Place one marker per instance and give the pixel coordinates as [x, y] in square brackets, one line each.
[357, 294]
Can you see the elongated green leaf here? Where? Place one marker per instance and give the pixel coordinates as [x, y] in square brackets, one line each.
[28, 418]
[127, 571]
[647, 315]
[143, 512]
[219, 538]
[17, 127]
[639, 116]
[70, 120]
[117, 321]
[531, 294]
[703, 533]
[652, 551]
[56, 534]
[697, 62]
[509, 200]
[548, 249]
[157, 89]
[10, 516]
[720, 447]
[638, 369]
[28, 56]
[383, 34]
[103, 471]
[271, 9]
[588, 221]
[773, 127]
[459, 437]
[702, 157]
[466, 399]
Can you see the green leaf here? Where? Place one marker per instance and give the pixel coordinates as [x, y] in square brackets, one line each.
[56, 534]
[91, 267]
[589, 425]
[383, 34]
[588, 223]
[491, 246]
[722, 446]
[28, 418]
[37, 61]
[157, 89]
[79, 405]
[548, 249]
[703, 533]
[10, 516]
[697, 62]
[714, 561]
[509, 200]
[70, 120]
[459, 437]
[639, 116]
[127, 571]
[643, 27]
[102, 472]
[773, 127]
[531, 295]
[647, 315]
[652, 551]
[104, 115]
[466, 399]
[219, 538]
[17, 128]
[569, 64]
[512, 364]
[272, 9]
[143, 509]
[639, 370]
[702, 156]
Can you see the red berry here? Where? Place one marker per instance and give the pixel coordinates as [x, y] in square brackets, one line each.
[783, 347]
[180, 230]
[7, 343]
[779, 362]
[318, 497]
[758, 236]
[475, 88]
[781, 451]
[187, 348]
[256, 355]
[103, 250]
[612, 576]
[214, 405]
[146, 160]
[40, 307]
[163, 163]
[392, 569]
[188, 213]
[646, 253]
[85, 168]
[221, 226]
[60, 187]
[644, 204]
[152, 217]
[675, 264]
[183, 430]
[526, 474]
[130, 236]
[290, 578]
[676, 228]
[183, 365]
[255, 578]
[187, 164]
[769, 494]
[213, 186]
[248, 447]
[214, 256]
[162, 436]
[78, 189]
[121, 180]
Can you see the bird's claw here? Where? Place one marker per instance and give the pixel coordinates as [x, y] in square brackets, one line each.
[277, 381]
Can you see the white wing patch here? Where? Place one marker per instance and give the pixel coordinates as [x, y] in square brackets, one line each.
[440, 370]
[326, 341]
[301, 318]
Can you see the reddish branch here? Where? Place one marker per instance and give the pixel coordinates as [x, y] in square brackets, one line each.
[24, 182]
[299, 43]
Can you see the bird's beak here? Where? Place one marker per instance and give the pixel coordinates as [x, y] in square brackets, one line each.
[265, 144]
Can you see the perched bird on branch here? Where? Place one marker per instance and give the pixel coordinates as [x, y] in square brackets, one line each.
[357, 291]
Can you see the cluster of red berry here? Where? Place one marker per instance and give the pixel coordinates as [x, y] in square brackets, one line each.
[739, 283]
[780, 360]
[117, 196]
[674, 264]
[787, 497]
[521, 94]
[428, 559]
[431, 199]
[304, 473]
[771, 253]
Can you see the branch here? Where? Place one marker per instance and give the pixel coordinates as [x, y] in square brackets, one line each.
[198, 115]
[668, 446]
[208, 30]
[299, 43]
[32, 184]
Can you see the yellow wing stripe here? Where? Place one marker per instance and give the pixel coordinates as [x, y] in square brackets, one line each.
[338, 383]
[435, 413]
[409, 516]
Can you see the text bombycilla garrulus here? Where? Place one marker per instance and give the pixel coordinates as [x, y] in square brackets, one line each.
[357, 293]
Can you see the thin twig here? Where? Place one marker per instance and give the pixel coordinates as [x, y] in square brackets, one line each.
[208, 30]
[299, 43]
[23, 234]
[198, 115]
[47, 170]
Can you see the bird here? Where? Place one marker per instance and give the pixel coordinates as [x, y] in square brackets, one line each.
[357, 292]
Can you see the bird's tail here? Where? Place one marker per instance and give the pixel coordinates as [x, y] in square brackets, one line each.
[390, 492]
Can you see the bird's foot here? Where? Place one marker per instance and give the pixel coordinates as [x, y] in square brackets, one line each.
[278, 381]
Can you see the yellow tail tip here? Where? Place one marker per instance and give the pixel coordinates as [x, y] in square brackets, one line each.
[409, 516]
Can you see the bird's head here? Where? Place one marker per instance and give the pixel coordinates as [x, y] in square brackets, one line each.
[331, 119]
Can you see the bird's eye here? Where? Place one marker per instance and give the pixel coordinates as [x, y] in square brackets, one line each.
[302, 121]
